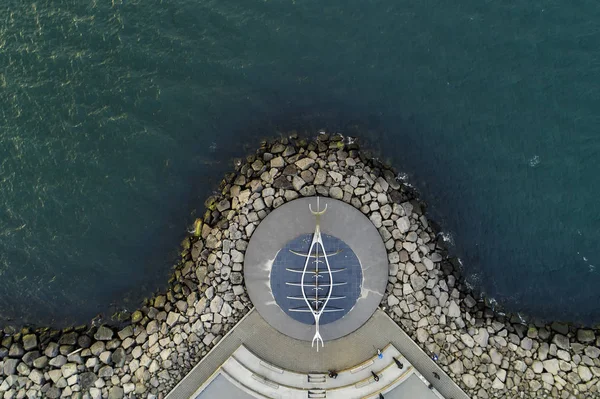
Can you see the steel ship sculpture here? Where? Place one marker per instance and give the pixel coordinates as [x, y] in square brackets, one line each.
[316, 282]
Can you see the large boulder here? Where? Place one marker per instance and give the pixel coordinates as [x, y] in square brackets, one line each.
[97, 348]
[103, 334]
[116, 393]
[87, 380]
[482, 337]
[68, 369]
[16, 350]
[561, 341]
[586, 336]
[457, 367]
[584, 373]
[53, 393]
[152, 327]
[336, 193]
[403, 224]
[118, 357]
[37, 377]
[304, 163]
[41, 362]
[201, 273]
[551, 366]
[467, 340]
[30, 342]
[10, 366]
[216, 304]
[469, 380]
[68, 339]
[417, 282]
[453, 309]
[172, 318]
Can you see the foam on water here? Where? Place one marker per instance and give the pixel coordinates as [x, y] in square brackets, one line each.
[535, 161]
[447, 237]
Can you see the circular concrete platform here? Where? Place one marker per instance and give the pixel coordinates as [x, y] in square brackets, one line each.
[284, 229]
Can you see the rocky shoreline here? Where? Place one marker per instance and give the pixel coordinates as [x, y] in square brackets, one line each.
[488, 355]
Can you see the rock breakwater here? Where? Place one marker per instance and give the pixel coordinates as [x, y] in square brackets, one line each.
[488, 355]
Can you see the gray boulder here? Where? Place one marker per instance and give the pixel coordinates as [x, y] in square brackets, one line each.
[37, 377]
[30, 342]
[586, 336]
[116, 393]
[469, 380]
[10, 366]
[105, 371]
[97, 348]
[51, 350]
[551, 366]
[68, 369]
[68, 339]
[561, 341]
[482, 337]
[40, 362]
[16, 350]
[453, 309]
[118, 357]
[103, 334]
[87, 380]
[216, 304]
[417, 282]
[304, 163]
[58, 361]
[403, 224]
[336, 193]
[152, 327]
[53, 393]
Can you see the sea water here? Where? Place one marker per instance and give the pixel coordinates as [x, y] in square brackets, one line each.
[117, 119]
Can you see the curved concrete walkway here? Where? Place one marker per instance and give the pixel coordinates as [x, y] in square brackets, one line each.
[291, 354]
[255, 375]
[357, 373]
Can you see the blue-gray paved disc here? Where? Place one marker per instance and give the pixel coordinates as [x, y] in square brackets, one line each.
[340, 257]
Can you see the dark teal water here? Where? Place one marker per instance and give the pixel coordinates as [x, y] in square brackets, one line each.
[117, 118]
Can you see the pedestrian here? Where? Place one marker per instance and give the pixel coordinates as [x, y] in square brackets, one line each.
[398, 363]
[379, 354]
[375, 376]
[436, 375]
[435, 357]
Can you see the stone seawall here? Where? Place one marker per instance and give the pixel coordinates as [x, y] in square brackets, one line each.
[488, 355]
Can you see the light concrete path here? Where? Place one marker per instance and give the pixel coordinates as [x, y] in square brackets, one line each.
[291, 354]
[411, 388]
[272, 382]
[345, 377]
[222, 387]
